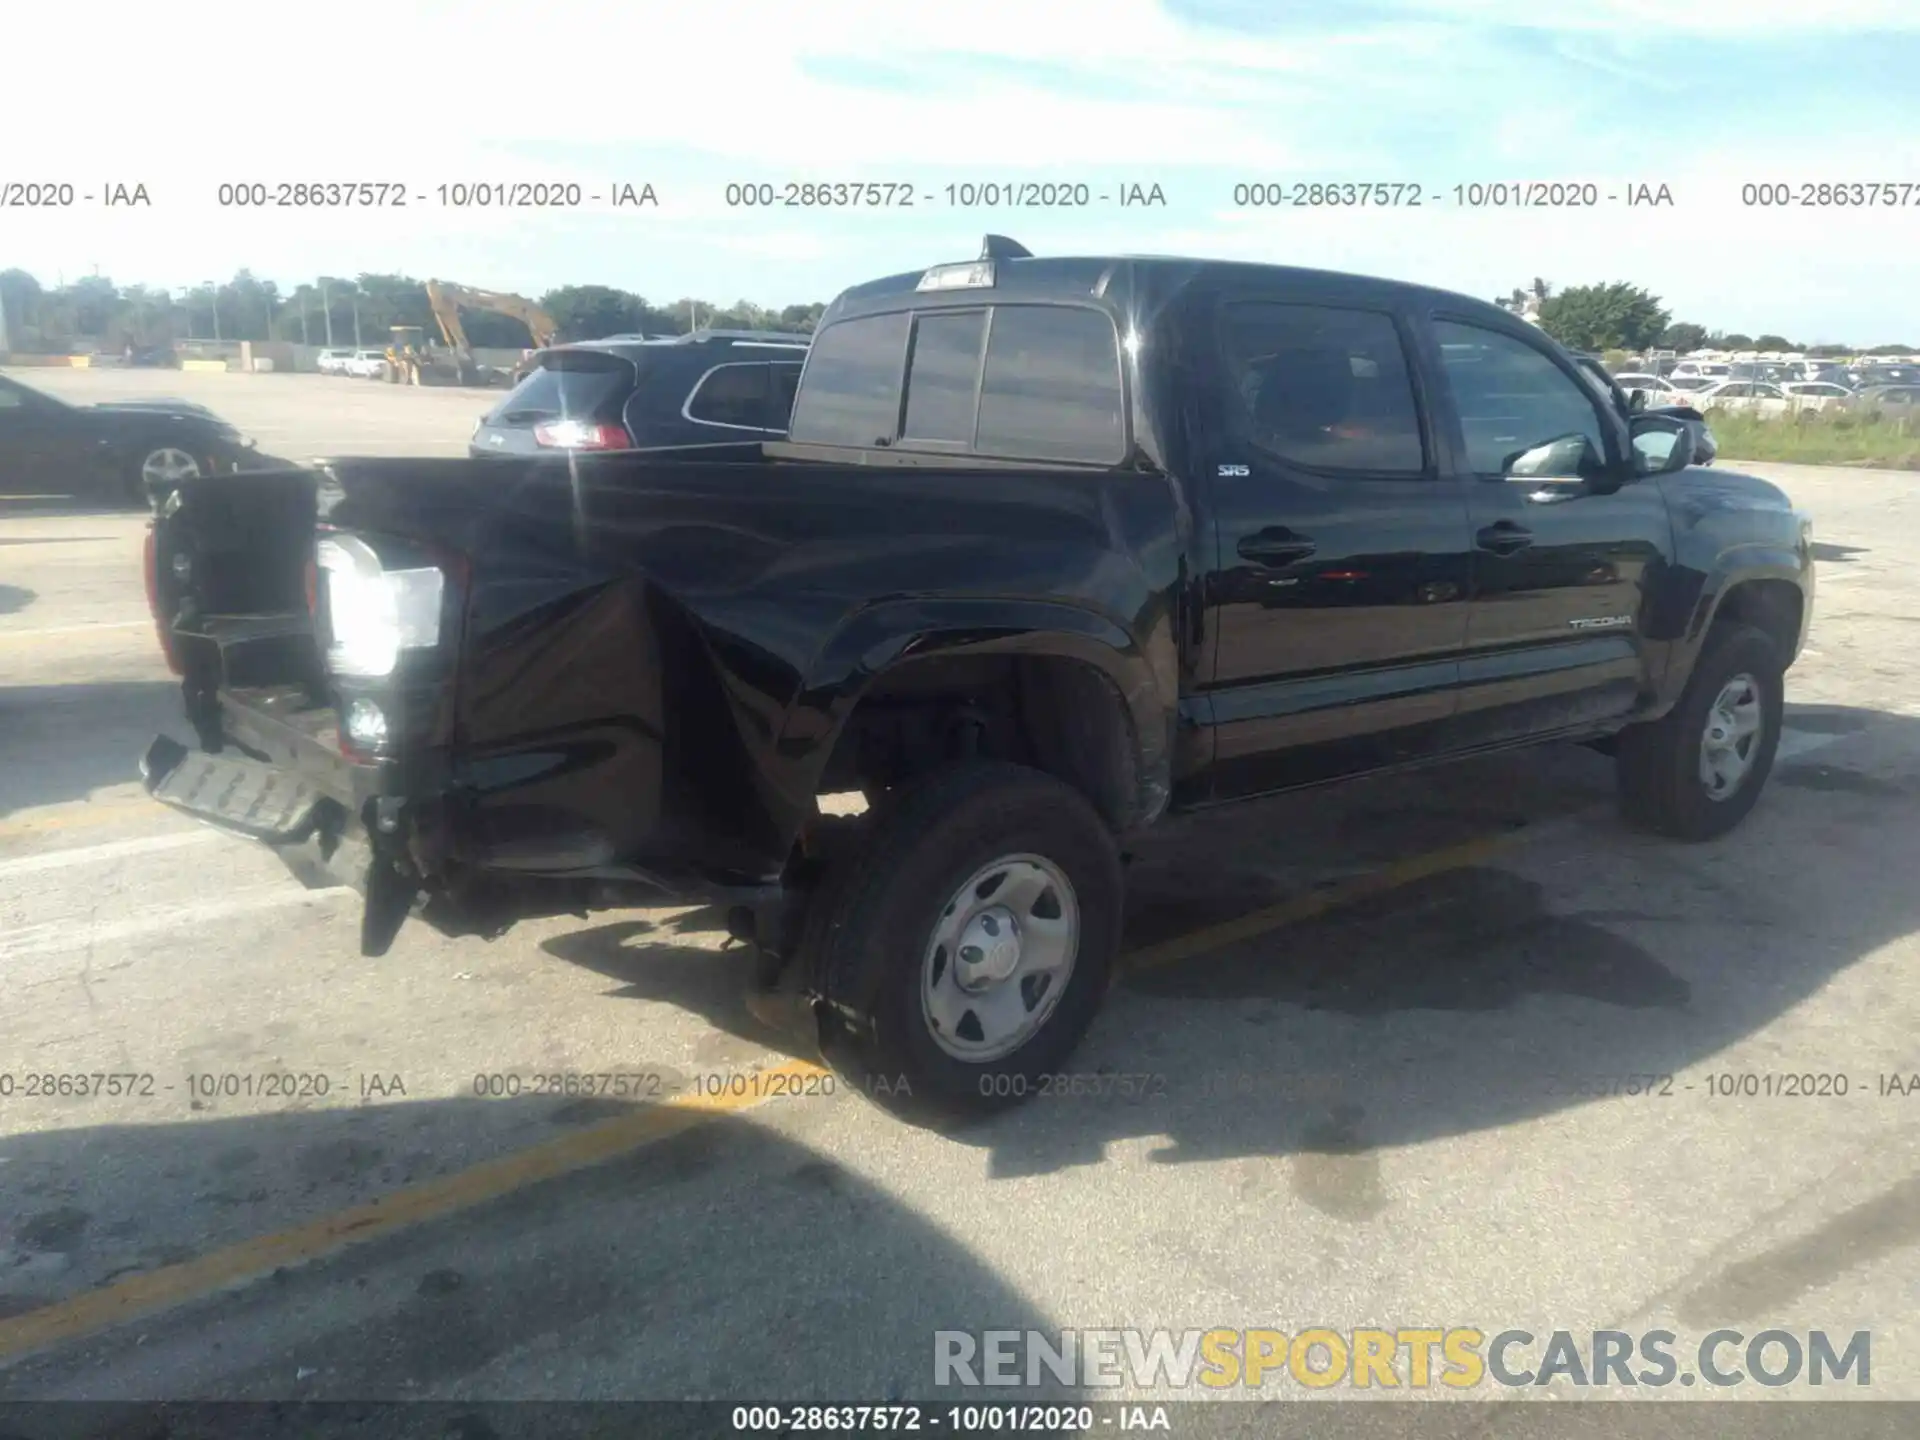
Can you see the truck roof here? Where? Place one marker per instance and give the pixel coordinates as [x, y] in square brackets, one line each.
[1017, 274]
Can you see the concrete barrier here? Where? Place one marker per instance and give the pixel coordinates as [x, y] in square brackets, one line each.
[205, 367]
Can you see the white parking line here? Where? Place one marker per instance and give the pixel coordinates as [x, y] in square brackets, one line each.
[72, 629]
[72, 935]
[109, 850]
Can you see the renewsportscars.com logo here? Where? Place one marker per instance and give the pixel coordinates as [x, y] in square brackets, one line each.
[1458, 1358]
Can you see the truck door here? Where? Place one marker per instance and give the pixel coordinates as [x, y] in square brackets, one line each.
[1337, 598]
[1562, 570]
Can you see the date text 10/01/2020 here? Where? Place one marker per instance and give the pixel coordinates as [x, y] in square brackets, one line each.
[1474, 195]
[648, 1085]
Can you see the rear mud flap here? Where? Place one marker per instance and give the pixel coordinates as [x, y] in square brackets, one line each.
[389, 896]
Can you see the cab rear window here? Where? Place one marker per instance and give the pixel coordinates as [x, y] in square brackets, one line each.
[850, 390]
[1018, 382]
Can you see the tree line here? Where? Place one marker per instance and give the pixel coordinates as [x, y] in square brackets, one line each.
[339, 311]
[1620, 316]
[326, 311]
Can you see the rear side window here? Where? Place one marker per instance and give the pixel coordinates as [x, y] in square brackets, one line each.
[943, 377]
[1050, 388]
[1323, 387]
[732, 395]
[583, 385]
[850, 389]
[785, 378]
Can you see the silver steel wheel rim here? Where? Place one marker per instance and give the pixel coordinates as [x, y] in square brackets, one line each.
[1730, 741]
[169, 464]
[1000, 958]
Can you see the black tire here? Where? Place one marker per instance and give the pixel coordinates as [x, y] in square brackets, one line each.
[870, 928]
[1658, 763]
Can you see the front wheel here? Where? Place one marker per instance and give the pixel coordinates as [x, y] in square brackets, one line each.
[1696, 772]
[966, 944]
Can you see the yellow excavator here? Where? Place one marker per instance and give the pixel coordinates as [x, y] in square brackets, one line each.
[412, 361]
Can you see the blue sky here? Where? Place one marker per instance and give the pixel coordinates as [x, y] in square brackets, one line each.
[1192, 95]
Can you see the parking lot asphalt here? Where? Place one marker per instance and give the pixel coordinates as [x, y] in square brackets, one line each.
[1375, 1035]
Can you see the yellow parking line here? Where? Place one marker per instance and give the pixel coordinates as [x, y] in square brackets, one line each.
[104, 812]
[140, 1295]
[1317, 902]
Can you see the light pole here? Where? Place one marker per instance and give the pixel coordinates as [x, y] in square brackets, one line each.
[326, 310]
[213, 299]
[356, 320]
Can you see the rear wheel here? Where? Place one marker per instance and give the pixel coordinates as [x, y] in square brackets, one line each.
[963, 948]
[158, 466]
[1696, 772]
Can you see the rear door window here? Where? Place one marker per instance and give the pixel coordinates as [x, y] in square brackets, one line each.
[736, 396]
[785, 377]
[1050, 388]
[850, 390]
[1323, 387]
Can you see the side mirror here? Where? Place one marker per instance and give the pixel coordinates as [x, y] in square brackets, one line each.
[1662, 444]
[1636, 401]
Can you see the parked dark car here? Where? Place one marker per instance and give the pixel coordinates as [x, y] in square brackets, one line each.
[713, 388]
[151, 357]
[113, 450]
[1055, 547]
[1888, 397]
[1874, 376]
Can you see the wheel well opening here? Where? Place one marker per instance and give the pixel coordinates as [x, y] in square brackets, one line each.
[1773, 606]
[1056, 714]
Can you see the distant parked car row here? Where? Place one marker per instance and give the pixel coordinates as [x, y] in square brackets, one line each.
[360, 364]
[1765, 397]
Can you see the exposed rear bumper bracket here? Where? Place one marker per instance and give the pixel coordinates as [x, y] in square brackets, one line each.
[233, 792]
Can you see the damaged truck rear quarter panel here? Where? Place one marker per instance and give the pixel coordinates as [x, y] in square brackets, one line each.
[641, 684]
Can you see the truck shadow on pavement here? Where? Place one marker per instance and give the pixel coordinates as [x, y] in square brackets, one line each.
[717, 1262]
[1536, 980]
[639, 956]
[1558, 974]
[15, 598]
[63, 742]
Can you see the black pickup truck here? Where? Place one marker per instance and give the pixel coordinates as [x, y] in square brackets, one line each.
[1054, 547]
